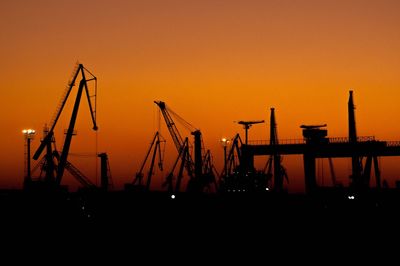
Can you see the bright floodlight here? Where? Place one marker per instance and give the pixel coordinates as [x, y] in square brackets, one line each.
[267, 189]
[172, 196]
[29, 132]
[225, 142]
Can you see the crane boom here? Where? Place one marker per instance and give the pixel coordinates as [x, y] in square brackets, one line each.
[176, 136]
[56, 116]
[248, 123]
[200, 176]
[63, 163]
[155, 147]
[154, 141]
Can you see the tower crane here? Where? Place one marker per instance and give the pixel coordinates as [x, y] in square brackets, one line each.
[49, 137]
[198, 180]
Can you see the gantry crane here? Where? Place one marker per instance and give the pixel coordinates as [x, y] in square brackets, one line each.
[198, 180]
[49, 137]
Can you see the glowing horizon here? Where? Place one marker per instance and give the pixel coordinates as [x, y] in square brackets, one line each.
[212, 62]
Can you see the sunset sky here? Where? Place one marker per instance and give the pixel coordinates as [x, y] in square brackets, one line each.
[213, 62]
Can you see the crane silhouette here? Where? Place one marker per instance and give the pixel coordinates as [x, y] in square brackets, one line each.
[247, 125]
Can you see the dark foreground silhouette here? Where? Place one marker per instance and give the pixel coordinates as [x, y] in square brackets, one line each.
[213, 211]
[142, 226]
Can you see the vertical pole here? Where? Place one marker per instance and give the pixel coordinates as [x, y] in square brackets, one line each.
[355, 160]
[197, 156]
[28, 133]
[352, 119]
[246, 127]
[28, 160]
[103, 171]
[278, 178]
[50, 167]
[225, 166]
[309, 172]
[377, 172]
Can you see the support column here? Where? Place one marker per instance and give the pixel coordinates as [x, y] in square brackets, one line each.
[309, 172]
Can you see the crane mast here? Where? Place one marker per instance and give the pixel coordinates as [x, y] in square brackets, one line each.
[356, 175]
[276, 158]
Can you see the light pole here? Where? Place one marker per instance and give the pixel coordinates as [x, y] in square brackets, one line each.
[29, 134]
[225, 143]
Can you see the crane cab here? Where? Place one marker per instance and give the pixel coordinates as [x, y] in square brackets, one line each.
[315, 133]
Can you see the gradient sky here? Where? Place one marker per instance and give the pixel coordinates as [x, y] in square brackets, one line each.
[212, 62]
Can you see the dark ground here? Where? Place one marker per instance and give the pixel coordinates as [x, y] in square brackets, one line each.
[219, 211]
[199, 224]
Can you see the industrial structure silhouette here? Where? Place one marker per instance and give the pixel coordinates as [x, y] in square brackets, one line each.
[238, 182]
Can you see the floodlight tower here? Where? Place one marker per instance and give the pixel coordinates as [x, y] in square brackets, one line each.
[29, 135]
[225, 142]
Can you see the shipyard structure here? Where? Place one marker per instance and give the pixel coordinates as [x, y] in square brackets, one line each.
[192, 183]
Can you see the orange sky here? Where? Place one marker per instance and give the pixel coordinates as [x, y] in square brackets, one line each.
[213, 62]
